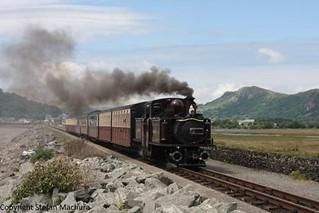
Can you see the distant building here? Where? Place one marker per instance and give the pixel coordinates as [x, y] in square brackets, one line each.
[246, 122]
[24, 121]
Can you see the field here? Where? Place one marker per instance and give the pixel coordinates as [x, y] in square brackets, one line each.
[301, 142]
[8, 132]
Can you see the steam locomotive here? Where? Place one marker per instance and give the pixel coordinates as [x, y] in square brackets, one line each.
[164, 130]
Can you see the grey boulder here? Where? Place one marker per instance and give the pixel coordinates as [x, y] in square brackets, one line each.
[185, 196]
[223, 207]
[169, 209]
[36, 199]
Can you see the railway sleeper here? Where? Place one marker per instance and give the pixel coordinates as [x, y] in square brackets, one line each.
[258, 202]
[237, 194]
[270, 207]
[230, 192]
[219, 188]
[247, 198]
[206, 183]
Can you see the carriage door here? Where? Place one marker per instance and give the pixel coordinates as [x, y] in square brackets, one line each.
[146, 132]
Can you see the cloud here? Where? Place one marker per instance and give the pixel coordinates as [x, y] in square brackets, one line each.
[22, 3]
[273, 56]
[204, 94]
[83, 21]
[222, 88]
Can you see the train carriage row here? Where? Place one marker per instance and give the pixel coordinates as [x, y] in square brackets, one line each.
[108, 126]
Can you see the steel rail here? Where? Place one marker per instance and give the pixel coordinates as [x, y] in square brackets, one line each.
[272, 200]
[268, 190]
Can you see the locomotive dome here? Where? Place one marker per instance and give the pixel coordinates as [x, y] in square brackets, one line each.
[177, 105]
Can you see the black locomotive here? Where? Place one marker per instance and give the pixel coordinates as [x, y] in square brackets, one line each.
[165, 130]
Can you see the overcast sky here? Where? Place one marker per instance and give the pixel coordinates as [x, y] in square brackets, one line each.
[215, 45]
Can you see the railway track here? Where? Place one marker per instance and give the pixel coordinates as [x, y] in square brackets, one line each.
[266, 198]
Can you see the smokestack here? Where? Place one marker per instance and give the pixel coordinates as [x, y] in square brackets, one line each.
[38, 71]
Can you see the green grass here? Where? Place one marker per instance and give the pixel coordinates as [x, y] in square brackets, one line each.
[303, 142]
[297, 175]
[41, 153]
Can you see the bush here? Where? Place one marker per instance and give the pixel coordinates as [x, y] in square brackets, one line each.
[41, 154]
[61, 174]
[297, 175]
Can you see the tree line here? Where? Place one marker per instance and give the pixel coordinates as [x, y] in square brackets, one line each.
[264, 124]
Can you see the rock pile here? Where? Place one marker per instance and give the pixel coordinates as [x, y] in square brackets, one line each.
[120, 186]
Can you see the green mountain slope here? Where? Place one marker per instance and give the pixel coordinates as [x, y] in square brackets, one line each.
[12, 105]
[258, 103]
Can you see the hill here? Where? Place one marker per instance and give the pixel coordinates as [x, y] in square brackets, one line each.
[12, 105]
[259, 103]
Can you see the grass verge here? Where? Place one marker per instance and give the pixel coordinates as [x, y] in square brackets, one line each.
[297, 175]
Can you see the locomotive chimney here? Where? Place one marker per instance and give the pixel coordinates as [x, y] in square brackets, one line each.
[191, 98]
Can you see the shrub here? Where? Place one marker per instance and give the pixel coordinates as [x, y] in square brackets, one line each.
[297, 175]
[80, 149]
[41, 154]
[61, 174]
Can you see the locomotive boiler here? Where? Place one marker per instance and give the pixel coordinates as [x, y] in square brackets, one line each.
[163, 130]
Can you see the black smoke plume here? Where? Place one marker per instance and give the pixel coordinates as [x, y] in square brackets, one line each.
[38, 70]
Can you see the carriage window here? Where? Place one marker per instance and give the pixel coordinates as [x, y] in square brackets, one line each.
[93, 121]
[157, 108]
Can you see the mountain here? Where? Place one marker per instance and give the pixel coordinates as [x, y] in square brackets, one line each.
[259, 103]
[12, 105]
